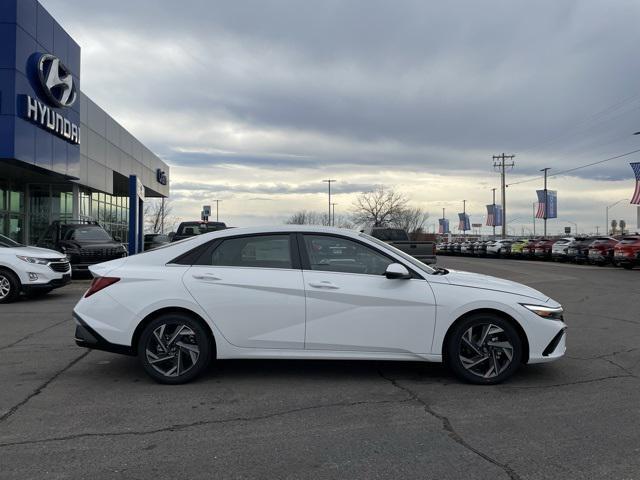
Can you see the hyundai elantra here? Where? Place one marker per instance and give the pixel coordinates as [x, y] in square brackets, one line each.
[294, 292]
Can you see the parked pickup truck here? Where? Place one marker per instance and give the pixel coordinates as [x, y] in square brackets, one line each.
[399, 238]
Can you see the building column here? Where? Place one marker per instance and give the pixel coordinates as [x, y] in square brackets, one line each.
[75, 203]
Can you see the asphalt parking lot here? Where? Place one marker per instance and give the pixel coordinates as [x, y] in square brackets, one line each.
[67, 412]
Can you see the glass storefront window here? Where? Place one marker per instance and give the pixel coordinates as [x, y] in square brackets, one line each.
[16, 201]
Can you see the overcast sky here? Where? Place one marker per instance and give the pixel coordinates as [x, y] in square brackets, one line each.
[255, 102]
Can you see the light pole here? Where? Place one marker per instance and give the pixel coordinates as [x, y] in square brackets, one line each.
[333, 214]
[494, 213]
[329, 181]
[534, 219]
[606, 225]
[464, 219]
[217, 209]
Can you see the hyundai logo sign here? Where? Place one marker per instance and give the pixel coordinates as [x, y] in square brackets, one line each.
[161, 176]
[56, 81]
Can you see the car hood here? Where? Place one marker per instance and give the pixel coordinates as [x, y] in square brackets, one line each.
[486, 282]
[34, 252]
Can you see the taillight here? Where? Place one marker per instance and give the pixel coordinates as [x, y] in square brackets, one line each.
[99, 283]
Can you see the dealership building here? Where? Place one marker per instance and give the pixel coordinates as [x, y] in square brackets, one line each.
[62, 157]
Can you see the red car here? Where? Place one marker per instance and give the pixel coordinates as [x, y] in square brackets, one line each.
[542, 249]
[528, 251]
[601, 250]
[627, 252]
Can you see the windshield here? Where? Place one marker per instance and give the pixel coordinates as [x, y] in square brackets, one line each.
[385, 246]
[390, 234]
[7, 242]
[90, 233]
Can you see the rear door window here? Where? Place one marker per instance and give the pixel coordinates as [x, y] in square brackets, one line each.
[263, 251]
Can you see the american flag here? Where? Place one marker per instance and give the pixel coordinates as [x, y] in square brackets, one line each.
[540, 210]
[491, 216]
[636, 196]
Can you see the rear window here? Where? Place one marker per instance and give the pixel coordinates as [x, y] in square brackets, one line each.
[264, 251]
[199, 228]
[389, 234]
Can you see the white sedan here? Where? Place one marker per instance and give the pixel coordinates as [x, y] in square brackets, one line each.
[32, 270]
[310, 293]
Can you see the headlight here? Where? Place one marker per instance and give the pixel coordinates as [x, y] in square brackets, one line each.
[552, 313]
[38, 261]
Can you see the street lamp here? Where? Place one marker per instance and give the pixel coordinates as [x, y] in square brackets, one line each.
[574, 224]
[606, 225]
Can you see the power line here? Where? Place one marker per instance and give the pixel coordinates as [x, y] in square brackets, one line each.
[577, 168]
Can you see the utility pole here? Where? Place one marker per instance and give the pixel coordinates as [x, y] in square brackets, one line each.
[499, 161]
[494, 213]
[329, 181]
[597, 230]
[217, 209]
[333, 214]
[546, 201]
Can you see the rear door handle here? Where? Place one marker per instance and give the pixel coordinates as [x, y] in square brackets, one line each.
[325, 284]
[206, 276]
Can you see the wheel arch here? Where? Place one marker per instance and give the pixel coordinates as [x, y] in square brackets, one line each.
[492, 311]
[166, 310]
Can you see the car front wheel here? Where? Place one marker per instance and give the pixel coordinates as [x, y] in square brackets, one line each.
[174, 349]
[9, 286]
[484, 349]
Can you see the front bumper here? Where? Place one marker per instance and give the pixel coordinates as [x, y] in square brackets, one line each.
[87, 337]
[50, 285]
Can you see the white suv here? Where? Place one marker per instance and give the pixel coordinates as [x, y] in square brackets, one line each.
[32, 270]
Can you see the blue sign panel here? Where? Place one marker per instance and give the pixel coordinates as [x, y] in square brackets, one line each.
[39, 89]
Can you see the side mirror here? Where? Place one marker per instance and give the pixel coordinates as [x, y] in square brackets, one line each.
[396, 271]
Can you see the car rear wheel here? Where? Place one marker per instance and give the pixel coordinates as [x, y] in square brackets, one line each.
[484, 349]
[174, 349]
[9, 286]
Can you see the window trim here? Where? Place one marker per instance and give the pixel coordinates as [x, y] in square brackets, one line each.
[306, 262]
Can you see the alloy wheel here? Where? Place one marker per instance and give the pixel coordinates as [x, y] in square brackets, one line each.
[485, 350]
[172, 349]
[5, 286]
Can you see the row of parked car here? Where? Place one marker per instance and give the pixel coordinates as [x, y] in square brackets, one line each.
[619, 251]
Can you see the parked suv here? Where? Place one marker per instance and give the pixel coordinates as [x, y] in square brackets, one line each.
[499, 247]
[579, 249]
[601, 250]
[560, 248]
[191, 229]
[627, 252]
[542, 249]
[32, 270]
[84, 243]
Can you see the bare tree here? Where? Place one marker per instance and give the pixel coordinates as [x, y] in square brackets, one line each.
[379, 207]
[614, 227]
[307, 217]
[623, 226]
[411, 219]
[157, 215]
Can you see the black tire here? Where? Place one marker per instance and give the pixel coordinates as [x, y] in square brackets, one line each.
[457, 347]
[8, 280]
[627, 266]
[178, 352]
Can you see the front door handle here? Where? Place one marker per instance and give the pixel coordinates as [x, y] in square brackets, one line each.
[324, 284]
[206, 276]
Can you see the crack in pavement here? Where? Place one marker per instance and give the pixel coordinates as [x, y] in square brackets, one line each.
[578, 382]
[38, 390]
[4, 347]
[184, 426]
[448, 427]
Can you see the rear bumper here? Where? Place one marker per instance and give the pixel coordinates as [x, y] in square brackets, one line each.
[87, 337]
